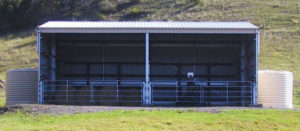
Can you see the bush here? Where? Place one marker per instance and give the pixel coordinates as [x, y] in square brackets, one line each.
[136, 1]
[135, 11]
[101, 16]
[198, 2]
[10, 36]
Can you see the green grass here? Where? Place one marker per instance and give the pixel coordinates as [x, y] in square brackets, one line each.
[297, 97]
[17, 52]
[156, 120]
[2, 97]
[135, 11]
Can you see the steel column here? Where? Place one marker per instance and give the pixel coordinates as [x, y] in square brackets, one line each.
[40, 92]
[243, 66]
[117, 90]
[53, 61]
[38, 43]
[147, 92]
[67, 91]
[92, 92]
[257, 40]
[227, 92]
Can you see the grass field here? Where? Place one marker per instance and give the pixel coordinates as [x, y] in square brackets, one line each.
[17, 51]
[2, 97]
[297, 97]
[156, 120]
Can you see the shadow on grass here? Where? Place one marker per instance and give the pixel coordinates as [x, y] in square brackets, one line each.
[126, 5]
[134, 16]
[24, 45]
[17, 34]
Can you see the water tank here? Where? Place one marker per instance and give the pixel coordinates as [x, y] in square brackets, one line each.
[275, 89]
[22, 86]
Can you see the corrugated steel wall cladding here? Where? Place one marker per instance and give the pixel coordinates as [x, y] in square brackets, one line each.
[22, 86]
[99, 59]
[98, 49]
[195, 55]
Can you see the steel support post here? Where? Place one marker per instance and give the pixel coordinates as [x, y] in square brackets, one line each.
[53, 62]
[117, 90]
[67, 91]
[243, 68]
[40, 86]
[92, 93]
[257, 43]
[227, 92]
[40, 93]
[147, 91]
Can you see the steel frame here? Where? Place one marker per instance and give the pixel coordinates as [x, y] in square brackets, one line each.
[147, 85]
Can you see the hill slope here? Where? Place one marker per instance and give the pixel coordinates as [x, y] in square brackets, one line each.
[279, 19]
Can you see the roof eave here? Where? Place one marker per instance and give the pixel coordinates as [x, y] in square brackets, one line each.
[149, 30]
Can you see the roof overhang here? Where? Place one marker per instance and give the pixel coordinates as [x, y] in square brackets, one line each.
[148, 27]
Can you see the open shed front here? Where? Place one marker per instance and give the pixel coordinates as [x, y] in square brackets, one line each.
[202, 69]
[102, 69]
[166, 68]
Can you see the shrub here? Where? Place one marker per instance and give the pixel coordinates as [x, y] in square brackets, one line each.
[101, 16]
[198, 2]
[136, 1]
[135, 11]
[10, 36]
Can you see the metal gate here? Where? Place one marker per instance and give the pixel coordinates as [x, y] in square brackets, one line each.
[202, 93]
[97, 92]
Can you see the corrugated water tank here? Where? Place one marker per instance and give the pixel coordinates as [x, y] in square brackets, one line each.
[22, 86]
[275, 89]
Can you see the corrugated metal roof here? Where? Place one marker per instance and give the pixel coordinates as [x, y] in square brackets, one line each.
[152, 26]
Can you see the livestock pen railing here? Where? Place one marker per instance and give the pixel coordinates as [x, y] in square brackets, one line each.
[91, 92]
[202, 92]
[118, 92]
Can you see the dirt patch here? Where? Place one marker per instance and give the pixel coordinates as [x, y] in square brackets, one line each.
[70, 109]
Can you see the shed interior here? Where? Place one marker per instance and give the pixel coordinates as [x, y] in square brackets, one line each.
[109, 68]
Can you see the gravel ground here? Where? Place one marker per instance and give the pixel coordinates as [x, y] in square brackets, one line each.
[70, 109]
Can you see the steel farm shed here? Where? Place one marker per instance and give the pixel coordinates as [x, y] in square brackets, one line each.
[148, 63]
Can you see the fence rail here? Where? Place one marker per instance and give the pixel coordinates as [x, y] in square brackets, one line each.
[84, 92]
[122, 91]
[207, 92]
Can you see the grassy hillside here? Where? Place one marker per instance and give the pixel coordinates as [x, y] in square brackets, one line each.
[156, 120]
[279, 19]
[17, 51]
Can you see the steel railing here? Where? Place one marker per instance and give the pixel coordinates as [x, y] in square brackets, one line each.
[202, 92]
[123, 91]
[94, 91]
